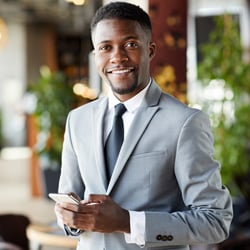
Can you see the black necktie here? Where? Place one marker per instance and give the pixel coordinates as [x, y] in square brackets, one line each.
[115, 139]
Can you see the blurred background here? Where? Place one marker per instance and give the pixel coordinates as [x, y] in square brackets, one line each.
[47, 69]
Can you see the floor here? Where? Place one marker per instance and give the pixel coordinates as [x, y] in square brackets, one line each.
[15, 190]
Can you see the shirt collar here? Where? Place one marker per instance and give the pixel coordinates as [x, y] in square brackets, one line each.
[131, 104]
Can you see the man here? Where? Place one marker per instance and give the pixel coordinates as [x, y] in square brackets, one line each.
[165, 190]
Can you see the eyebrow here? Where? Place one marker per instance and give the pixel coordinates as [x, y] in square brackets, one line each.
[125, 39]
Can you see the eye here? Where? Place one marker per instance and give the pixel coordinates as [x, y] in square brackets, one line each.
[131, 45]
[104, 48]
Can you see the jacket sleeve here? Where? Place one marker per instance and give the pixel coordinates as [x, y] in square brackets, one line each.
[69, 172]
[208, 204]
[70, 178]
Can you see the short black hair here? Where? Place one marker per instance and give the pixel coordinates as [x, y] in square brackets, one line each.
[122, 10]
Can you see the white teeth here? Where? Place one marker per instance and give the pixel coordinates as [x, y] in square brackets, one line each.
[121, 71]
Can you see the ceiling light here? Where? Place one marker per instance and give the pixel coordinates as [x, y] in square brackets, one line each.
[77, 2]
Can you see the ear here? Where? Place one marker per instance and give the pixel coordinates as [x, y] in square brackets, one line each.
[152, 49]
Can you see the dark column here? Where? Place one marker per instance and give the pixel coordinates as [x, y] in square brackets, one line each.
[169, 21]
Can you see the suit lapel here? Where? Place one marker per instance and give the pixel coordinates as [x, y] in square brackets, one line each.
[143, 117]
[98, 121]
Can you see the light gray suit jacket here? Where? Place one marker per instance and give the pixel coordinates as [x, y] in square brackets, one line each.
[165, 168]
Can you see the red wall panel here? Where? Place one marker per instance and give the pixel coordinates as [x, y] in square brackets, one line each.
[169, 21]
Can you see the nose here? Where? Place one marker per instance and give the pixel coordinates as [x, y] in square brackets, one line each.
[118, 55]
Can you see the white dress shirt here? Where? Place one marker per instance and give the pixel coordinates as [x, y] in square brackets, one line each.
[137, 219]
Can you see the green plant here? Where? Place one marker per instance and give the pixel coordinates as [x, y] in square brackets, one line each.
[224, 63]
[54, 99]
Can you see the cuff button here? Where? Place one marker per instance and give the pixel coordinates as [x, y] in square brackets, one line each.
[164, 237]
[159, 237]
[170, 237]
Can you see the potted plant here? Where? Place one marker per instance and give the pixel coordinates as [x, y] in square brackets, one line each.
[54, 99]
[224, 66]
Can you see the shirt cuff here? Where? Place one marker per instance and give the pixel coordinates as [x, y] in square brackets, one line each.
[72, 231]
[137, 228]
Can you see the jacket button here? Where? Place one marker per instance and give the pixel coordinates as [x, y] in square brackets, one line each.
[159, 237]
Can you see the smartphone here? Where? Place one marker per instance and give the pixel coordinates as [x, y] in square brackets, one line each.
[67, 198]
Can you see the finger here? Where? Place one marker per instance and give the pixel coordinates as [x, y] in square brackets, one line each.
[69, 207]
[75, 196]
[62, 214]
[89, 207]
[58, 211]
[75, 219]
[98, 198]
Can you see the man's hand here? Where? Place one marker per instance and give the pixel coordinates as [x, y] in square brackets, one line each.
[99, 214]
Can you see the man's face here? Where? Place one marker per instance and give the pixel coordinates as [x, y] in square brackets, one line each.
[123, 51]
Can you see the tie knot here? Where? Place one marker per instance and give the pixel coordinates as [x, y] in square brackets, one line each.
[120, 109]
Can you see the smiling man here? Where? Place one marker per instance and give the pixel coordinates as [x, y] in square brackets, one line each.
[162, 188]
[123, 51]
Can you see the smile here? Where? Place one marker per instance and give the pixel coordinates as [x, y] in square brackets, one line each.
[120, 71]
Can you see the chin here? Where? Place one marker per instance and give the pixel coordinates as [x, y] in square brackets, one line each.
[123, 91]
